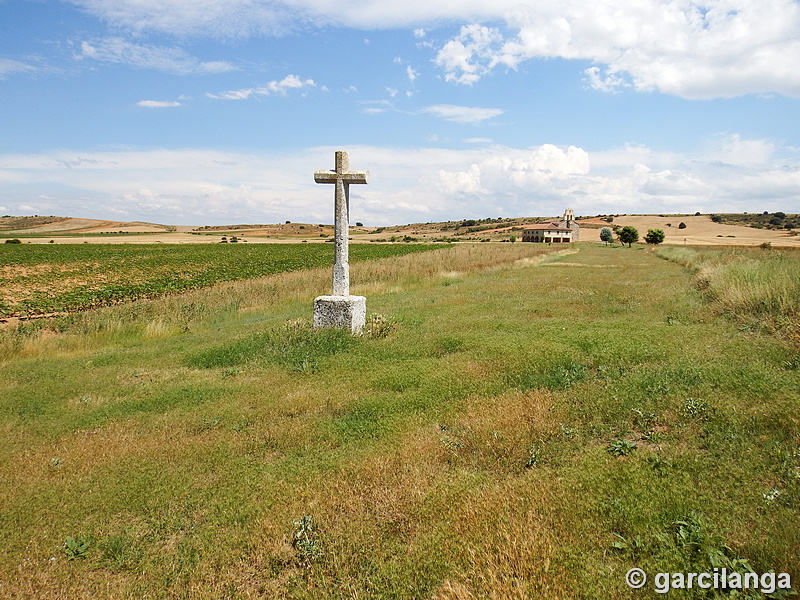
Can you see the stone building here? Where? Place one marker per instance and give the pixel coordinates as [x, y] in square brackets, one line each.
[554, 232]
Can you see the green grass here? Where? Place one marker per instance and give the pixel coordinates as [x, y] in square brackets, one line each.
[759, 287]
[41, 279]
[523, 431]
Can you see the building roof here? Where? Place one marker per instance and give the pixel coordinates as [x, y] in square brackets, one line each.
[548, 226]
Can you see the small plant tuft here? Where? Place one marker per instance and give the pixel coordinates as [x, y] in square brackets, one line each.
[695, 408]
[379, 326]
[621, 447]
[534, 456]
[76, 548]
[305, 541]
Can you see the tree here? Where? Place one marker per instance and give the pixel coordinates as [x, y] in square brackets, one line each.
[682, 225]
[628, 235]
[606, 235]
[654, 236]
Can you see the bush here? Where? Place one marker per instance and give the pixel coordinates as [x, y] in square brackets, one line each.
[654, 236]
[628, 235]
[14, 241]
[682, 225]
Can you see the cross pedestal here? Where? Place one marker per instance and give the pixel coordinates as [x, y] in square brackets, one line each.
[341, 309]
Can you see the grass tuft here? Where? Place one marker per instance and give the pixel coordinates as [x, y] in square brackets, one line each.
[296, 346]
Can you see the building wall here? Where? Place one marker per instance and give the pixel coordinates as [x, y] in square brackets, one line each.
[545, 236]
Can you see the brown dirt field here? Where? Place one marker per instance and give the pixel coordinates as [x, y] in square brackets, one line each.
[700, 230]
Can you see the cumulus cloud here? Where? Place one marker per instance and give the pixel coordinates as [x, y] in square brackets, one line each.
[461, 182]
[407, 184]
[169, 60]
[733, 150]
[693, 49]
[471, 54]
[690, 48]
[290, 82]
[462, 114]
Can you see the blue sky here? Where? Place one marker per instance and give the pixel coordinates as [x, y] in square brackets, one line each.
[219, 111]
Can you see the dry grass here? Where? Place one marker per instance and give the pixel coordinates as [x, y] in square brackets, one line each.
[754, 286]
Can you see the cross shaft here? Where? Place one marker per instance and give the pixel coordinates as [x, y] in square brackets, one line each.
[341, 177]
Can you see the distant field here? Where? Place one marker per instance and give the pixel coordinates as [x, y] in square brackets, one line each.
[42, 279]
[698, 230]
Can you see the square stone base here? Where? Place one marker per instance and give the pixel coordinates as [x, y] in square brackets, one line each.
[340, 311]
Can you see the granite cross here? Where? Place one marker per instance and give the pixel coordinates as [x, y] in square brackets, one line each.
[342, 177]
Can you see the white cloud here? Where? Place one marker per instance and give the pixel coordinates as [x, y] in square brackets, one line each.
[470, 55]
[462, 114]
[407, 184]
[169, 60]
[719, 48]
[690, 48]
[9, 67]
[733, 150]
[412, 74]
[157, 104]
[290, 82]
[243, 18]
[460, 182]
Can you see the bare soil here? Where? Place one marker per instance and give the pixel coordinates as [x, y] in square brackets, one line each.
[700, 230]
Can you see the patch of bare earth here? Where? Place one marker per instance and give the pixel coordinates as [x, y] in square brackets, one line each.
[700, 230]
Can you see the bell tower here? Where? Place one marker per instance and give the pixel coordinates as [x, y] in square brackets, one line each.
[569, 216]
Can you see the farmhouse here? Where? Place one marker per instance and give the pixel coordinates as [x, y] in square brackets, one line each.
[555, 232]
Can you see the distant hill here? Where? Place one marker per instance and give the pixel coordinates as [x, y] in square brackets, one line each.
[67, 225]
[777, 228]
[9, 222]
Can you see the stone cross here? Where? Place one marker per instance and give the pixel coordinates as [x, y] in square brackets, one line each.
[341, 309]
[342, 177]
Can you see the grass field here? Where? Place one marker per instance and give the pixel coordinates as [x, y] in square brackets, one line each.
[42, 279]
[518, 423]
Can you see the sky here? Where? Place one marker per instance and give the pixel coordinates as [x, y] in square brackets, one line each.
[207, 112]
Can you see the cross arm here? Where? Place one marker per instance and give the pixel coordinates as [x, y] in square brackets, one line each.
[348, 177]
